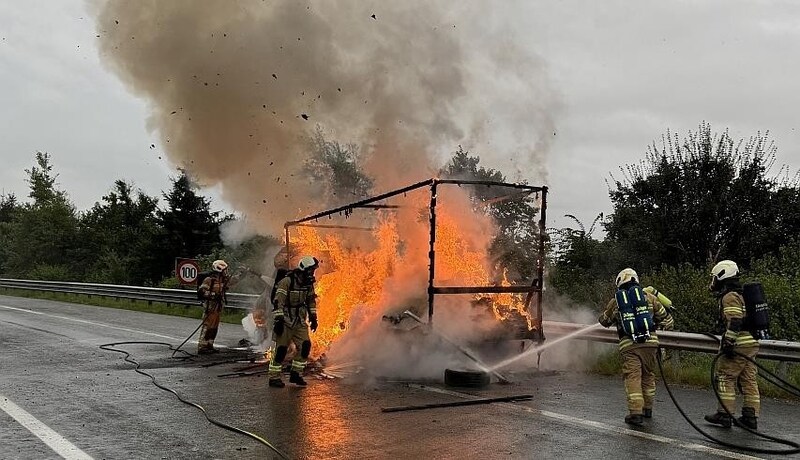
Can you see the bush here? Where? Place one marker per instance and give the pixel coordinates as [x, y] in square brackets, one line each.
[49, 272]
[696, 310]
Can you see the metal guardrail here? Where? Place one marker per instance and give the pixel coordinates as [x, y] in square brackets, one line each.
[770, 349]
[148, 294]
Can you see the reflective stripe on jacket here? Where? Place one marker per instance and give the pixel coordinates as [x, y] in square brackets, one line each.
[294, 300]
[731, 309]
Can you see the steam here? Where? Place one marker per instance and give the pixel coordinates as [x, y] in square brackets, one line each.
[234, 89]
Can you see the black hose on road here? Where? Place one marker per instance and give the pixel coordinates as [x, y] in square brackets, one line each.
[110, 347]
[795, 446]
[175, 350]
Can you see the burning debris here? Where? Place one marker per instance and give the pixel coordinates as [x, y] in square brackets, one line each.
[367, 280]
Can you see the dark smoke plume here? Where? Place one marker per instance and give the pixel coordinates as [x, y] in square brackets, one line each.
[234, 88]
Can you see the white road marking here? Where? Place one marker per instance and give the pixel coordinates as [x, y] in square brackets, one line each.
[109, 326]
[53, 440]
[601, 426]
[93, 323]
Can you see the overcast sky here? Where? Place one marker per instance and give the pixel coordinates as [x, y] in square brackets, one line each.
[625, 72]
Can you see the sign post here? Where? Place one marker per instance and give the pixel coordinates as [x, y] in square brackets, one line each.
[187, 270]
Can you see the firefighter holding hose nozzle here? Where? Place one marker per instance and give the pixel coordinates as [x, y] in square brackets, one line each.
[212, 290]
[295, 310]
[636, 314]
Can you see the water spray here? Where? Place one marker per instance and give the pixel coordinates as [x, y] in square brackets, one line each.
[540, 348]
[481, 365]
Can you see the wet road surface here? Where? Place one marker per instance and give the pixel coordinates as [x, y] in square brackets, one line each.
[96, 406]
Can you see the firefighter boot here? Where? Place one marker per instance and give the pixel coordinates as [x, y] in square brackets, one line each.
[276, 382]
[648, 413]
[719, 418]
[634, 419]
[749, 418]
[297, 379]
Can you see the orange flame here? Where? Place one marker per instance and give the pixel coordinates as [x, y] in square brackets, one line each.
[391, 266]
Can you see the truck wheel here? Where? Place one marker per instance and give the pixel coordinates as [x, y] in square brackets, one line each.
[466, 379]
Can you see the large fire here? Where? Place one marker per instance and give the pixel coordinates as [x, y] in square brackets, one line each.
[388, 270]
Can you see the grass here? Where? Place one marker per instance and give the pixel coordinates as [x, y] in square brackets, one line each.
[229, 315]
[694, 369]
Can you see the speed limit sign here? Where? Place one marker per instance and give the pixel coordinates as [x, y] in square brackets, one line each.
[187, 270]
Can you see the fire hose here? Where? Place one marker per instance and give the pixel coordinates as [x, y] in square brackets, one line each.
[127, 358]
[788, 387]
[178, 348]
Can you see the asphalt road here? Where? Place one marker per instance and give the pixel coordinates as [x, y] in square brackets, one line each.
[62, 396]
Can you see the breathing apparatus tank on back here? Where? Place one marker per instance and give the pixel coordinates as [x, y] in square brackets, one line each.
[756, 318]
[636, 321]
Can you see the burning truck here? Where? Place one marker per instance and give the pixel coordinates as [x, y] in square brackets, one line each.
[398, 265]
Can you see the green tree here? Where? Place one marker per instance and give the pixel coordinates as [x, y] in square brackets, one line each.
[703, 198]
[582, 266]
[119, 238]
[9, 209]
[42, 236]
[188, 226]
[336, 168]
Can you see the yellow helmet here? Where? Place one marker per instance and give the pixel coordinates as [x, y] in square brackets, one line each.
[627, 275]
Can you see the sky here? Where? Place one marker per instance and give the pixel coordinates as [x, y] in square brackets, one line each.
[617, 75]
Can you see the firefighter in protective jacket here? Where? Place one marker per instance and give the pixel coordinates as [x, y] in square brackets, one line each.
[295, 309]
[736, 340]
[212, 290]
[638, 357]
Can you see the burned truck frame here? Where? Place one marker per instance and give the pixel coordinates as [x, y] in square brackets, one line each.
[533, 291]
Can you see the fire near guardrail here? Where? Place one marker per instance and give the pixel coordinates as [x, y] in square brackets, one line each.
[770, 349]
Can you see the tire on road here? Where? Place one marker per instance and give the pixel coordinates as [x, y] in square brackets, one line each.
[465, 378]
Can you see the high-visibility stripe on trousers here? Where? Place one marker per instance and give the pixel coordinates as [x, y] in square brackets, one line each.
[731, 370]
[638, 366]
[208, 331]
[297, 334]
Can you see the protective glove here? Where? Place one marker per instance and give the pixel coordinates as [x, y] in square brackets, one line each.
[313, 321]
[277, 328]
[727, 349]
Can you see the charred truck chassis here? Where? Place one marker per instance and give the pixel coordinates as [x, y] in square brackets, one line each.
[534, 291]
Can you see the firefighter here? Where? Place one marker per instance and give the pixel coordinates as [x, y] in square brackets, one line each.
[638, 357]
[212, 290]
[295, 310]
[736, 340]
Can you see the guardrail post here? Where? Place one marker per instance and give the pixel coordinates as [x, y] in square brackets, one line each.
[675, 358]
[783, 369]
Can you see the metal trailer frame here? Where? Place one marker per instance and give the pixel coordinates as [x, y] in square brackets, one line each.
[532, 291]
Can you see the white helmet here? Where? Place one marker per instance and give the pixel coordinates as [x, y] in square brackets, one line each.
[219, 266]
[626, 276]
[724, 270]
[308, 263]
